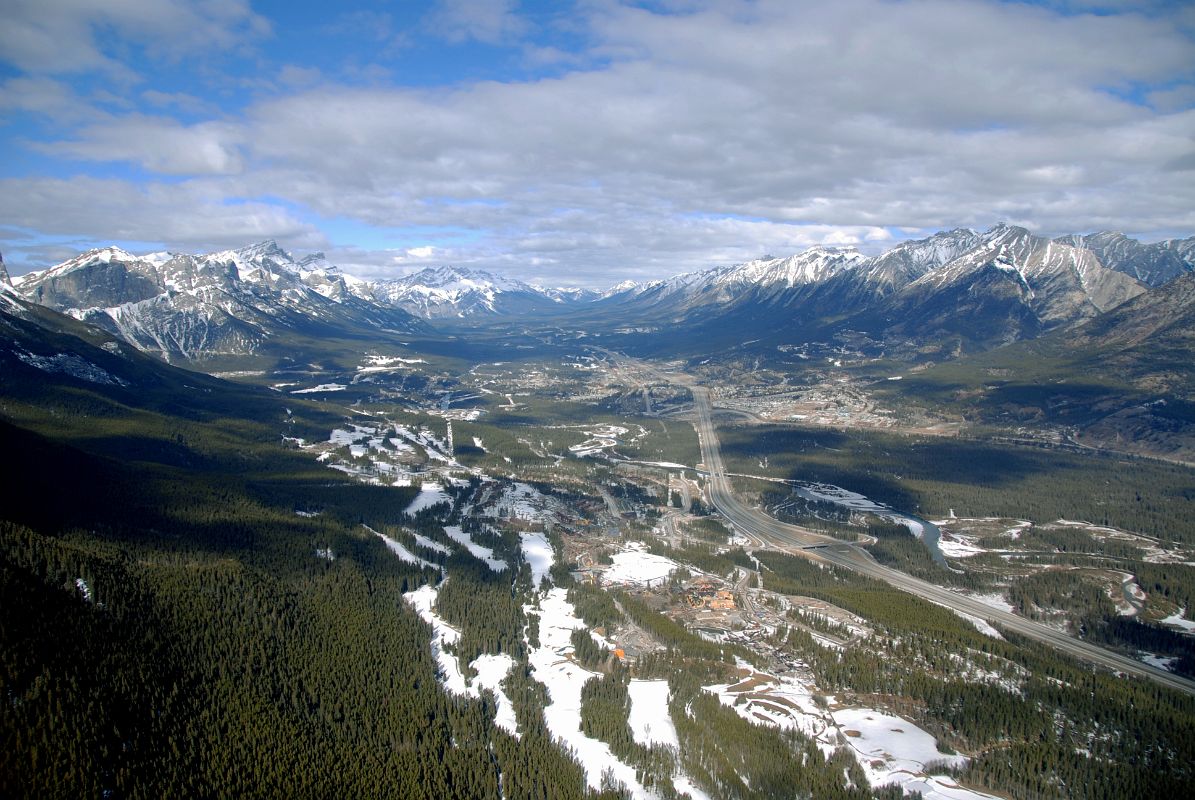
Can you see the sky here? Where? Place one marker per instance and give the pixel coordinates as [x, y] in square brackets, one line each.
[586, 142]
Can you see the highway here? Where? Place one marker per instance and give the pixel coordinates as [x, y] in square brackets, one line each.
[791, 538]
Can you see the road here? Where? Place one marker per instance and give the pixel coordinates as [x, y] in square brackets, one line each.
[758, 525]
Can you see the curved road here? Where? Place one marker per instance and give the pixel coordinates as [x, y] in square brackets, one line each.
[760, 526]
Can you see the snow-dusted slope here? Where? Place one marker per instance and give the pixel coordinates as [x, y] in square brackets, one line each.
[1013, 285]
[195, 307]
[1152, 264]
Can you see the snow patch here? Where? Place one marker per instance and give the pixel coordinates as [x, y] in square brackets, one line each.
[538, 553]
[635, 565]
[552, 665]
[486, 554]
[1178, 620]
[429, 495]
[323, 387]
[649, 718]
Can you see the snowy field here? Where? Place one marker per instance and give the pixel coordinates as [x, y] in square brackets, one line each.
[552, 666]
[649, 718]
[890, 750]
[491, 669]
[1178, 619]
[323, 387]
[638, 567]
[486, 554]
[429, 495]
[537, 551]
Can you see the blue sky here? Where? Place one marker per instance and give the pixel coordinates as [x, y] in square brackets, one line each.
[585, 142]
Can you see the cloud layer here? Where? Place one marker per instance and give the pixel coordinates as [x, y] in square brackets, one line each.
[672, 141]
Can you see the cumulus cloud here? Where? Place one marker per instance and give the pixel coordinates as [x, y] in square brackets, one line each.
[64, 35]
[711, 134]
[159, 144]
[188, 215]
[488, 21]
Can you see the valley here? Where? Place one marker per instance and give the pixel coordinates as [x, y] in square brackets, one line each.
[603, 573]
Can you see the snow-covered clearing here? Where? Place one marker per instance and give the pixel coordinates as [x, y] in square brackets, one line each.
[649, 719]
[400, 551]
[325, 553]
[552, 666]
[981, 625]
[491, 669]
[685, 786]
[537, 551]
[892, 750]
[600, 438]
[358, 433]
[522, 501]
[784, 702]
[1178, 620]
[486, 554]
[955, 547]
[478, 444]
[376, 363]
[429, 495]
[635, 565]
[423, 541]
[664, 464]
[994, 600]
[888, 748]
[1155, 660]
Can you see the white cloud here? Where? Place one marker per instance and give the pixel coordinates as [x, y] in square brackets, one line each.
[159, 144]
[65, 35]
[487, 21]
[708, 136]
[192, 215]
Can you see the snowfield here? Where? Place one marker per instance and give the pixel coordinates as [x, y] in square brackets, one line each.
[429, 495]
[491, 669]
[637, 566]
[486, 554]
[649, 718]
[552, 666]
[1178, 620]
[537, 551]
[323, 387]
[892, 750]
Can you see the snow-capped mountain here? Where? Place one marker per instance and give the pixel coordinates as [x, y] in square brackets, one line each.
[197, 307]
[1152, 264]
[985, 288]
[447, 292]
[1012, 286]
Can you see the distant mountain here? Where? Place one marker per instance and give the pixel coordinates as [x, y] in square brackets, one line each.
[1152, 264]
[455, 292]
[199, 307]
[1012, 285]
[960, 289]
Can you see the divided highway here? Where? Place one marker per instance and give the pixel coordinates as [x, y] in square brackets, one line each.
[768, 530]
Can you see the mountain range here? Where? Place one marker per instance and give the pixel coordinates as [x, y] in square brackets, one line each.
[951, 293]
[198, 307]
